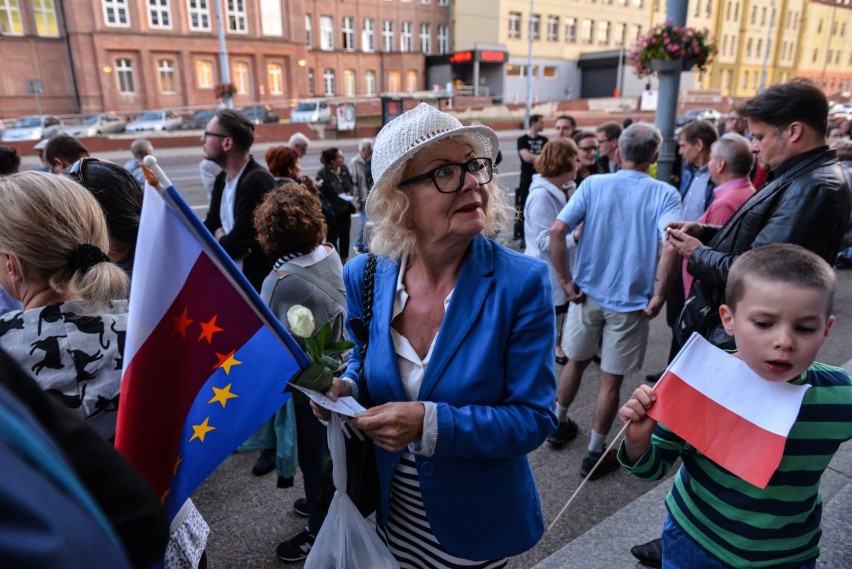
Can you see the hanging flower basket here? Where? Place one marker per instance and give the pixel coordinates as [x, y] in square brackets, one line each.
[224, 90]
[669, 48]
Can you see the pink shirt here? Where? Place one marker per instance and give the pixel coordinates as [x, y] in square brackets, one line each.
[727, 198]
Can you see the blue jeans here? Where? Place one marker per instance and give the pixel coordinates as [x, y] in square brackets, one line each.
[359, 243]
[681, 552]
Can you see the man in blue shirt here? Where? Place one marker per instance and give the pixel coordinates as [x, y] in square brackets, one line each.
[618, 285]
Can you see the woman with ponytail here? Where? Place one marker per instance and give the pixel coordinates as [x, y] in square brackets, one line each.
[53, 259]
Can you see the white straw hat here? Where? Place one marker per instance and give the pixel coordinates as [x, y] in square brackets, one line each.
[418, 128]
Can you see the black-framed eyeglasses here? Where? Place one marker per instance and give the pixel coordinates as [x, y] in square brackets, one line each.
[589, 148]
[77, 170]
[449, 178]
[217, 134]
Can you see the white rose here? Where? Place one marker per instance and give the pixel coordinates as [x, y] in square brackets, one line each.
[301, 321]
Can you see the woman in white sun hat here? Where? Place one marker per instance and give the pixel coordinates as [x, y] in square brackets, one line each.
[459, 362]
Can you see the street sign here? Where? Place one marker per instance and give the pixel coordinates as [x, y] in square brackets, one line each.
[345, 117]
[35, 87]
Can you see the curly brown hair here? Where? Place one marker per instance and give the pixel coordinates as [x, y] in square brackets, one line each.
[289, 221]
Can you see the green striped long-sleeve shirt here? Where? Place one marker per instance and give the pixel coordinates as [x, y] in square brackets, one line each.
[740, 524]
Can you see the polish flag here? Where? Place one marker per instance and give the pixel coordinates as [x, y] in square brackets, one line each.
[716, 403]
[205, 360]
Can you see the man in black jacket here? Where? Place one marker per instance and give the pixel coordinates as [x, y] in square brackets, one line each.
[805, 201]
[237, 191]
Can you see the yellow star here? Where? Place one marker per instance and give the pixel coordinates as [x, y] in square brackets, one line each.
[226, 361]
[222, 395]
[201, 430]
[177, 463]
[208, 329]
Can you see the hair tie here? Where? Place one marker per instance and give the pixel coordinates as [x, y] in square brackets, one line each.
[86, 256]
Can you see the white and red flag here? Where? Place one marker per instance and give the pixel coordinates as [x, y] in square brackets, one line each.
[716, 403]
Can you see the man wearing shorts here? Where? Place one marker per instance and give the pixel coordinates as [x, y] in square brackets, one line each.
[616, 288]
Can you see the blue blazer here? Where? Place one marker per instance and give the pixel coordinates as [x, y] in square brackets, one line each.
[492, 377]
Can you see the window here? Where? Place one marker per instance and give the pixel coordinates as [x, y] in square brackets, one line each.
[549, 72]
[124, 76]
[370, 82]
[620, 34]
[10, 18]
[638, 35]
[753, 18]
[586, 31]
[44, 12]
[309, 33]
[394, 81]
[745, 79]
[829, 56]
[326, 33]
[166, 72]
[204, 74]
[759, 50]
[535, 26]
[553, 28]
[241, 77]
[819, 27]
[275, 78]
[570, 30]
[748, 48]
[159, 14]
[724, 44]
[426, 38]
[199, 15]
[603, 33]
[115, 12]
[349, 82]
[411, 81]
[236, 16]
[443, 2]
[368, 35]
[312, 86]
[387, 35]
[763, 16]
[443, 39]
[737, 11]
[815, 56]
[514, 25]
[347, 29]
[513, 70]
[271, 21]
[406, 38]
[754, 77]
[328, 82]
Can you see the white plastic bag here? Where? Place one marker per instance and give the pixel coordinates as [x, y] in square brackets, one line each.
[346, 540]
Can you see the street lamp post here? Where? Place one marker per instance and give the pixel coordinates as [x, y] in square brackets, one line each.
[664, 118]
[529, 69]
[224, 68]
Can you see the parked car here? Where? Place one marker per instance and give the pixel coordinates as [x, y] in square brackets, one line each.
[31, 128]
[311, 111]
[698, 114]
[93, 125]
[259, 114]
[155, 120]
[199, 119]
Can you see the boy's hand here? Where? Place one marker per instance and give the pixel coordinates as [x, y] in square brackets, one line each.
[637, 437]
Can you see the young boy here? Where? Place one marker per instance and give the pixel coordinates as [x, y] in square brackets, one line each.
[779, 303]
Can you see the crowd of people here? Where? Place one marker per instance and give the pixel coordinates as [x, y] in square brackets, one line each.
[739, 249]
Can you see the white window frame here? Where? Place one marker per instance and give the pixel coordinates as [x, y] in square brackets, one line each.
[349, 83]
[370, 83]
[200, 9]
[166, 73]
[535, 27]
[203, 74]
[327, 33]
[603, 32]
[406, 37]
[411, 81]
[443, 38]
[347, 33]
[443, 2]
[125, 76]
[514, 23]
[118, 9]
[587, 31]
[387, 36]
[368, 35]
[10, 14]
[159, 14]
[328, 81]
[240, 76]
[571, 30]
[426, 38]
[620, 33]
[275, 78]
[553, 28]
[44, 12]
[235, 14]
[309, 32]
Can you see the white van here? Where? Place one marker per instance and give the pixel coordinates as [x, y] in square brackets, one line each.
[311, 111]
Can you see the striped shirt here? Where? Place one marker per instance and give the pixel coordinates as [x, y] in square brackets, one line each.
[741, 524]
[408, 534]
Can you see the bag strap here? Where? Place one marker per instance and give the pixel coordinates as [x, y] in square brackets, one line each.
[324, 286]
[369, 287]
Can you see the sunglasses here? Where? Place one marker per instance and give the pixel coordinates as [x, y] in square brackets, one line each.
[449, 178]
[78, 169]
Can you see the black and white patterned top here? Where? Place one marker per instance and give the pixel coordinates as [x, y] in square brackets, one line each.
[74, 354]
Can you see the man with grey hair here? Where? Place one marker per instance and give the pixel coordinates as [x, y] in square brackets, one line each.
[299, 142]
[618, 286]
[363, 181]
[140, 148]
